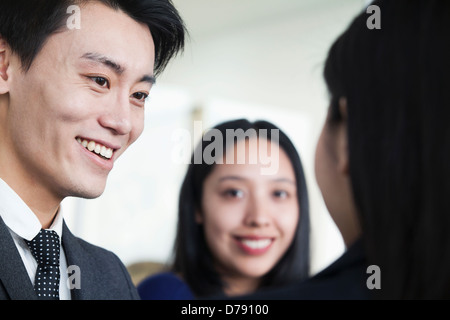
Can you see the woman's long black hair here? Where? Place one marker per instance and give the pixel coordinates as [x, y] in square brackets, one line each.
[192, 257]
[397, 84]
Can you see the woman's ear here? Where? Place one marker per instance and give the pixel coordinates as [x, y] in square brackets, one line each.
[198, 217]
[342, 142]
[4, 65]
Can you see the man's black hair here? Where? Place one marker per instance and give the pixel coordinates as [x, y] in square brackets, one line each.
[26, 24]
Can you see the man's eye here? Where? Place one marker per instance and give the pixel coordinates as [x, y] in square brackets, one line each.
[102, 82]
[140, 96]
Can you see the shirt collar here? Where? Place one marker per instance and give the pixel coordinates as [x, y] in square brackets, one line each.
[19, 217]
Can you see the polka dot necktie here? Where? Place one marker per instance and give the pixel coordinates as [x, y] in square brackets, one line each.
[45, 249]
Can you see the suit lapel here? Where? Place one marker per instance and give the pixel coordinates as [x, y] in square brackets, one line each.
[13, 274]
[75, 256]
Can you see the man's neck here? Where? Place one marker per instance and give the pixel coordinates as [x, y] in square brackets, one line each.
[37, 195]
[40, 201]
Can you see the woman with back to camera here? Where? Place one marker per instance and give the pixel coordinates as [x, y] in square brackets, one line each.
[239, 229]
[382, 161]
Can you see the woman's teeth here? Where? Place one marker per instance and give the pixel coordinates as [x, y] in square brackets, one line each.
[256, 244]
[97, 148]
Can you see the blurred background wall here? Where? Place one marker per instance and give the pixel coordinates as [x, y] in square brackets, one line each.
[255, 59]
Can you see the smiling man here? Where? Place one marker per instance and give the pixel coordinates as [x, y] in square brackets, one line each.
[71, 102]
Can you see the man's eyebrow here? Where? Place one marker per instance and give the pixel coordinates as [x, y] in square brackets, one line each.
[148, 78]
[116, 67]
[96, 57]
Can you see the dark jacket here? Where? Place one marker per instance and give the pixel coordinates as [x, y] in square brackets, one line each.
[102, 275]
[344, 279]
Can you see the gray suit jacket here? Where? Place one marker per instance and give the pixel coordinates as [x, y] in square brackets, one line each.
[102, 275]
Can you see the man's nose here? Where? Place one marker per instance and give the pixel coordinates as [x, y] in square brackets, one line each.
[116, 116]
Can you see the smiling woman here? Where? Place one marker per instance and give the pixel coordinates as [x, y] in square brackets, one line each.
[249, 219]
[239, 230]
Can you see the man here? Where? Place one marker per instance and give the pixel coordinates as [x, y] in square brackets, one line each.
[71, 101]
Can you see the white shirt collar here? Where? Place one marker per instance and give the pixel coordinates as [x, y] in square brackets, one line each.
[19, 217]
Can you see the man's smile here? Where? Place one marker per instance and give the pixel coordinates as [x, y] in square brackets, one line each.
[97, 148]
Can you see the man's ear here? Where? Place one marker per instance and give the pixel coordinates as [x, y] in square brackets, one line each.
[4, 65]
[342, 143]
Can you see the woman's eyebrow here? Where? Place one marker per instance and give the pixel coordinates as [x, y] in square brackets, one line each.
[231, 178]
[284, 180]
[238, 178]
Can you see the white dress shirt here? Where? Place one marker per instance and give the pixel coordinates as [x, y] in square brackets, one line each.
[23, 224]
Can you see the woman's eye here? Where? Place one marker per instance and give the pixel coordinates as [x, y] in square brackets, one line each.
[102, 82]
[141, 96]
[234, 193]
[280, 194]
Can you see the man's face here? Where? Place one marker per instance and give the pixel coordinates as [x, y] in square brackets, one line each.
[81, 104]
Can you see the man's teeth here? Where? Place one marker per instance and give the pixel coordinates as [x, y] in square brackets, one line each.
[97, 148]
[257, 244]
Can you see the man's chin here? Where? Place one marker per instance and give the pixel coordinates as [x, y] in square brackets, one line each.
[90, 196]
[88, 192]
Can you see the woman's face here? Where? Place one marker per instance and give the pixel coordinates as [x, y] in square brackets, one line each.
[249, 219]
[333, 179]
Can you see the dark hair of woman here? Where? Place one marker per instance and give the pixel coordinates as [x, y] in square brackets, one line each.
[397, 87]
